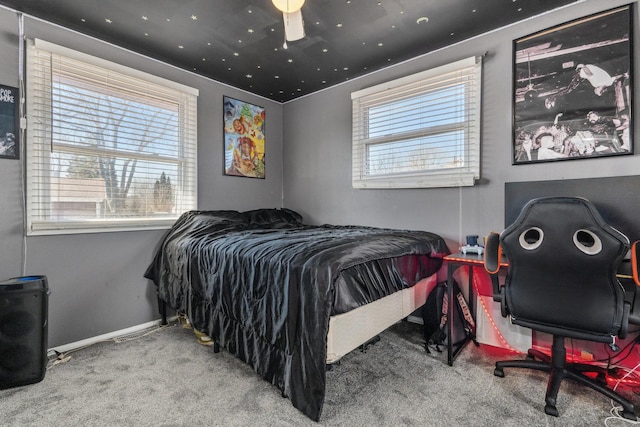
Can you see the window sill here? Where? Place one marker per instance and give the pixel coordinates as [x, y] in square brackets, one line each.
[426, 181]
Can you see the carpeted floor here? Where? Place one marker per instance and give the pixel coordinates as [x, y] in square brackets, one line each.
[166, 379]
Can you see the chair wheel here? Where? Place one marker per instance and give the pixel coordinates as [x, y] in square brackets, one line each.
[601, 379]
[498, 372]
[529, 357]
[551, 410]
[629, 415]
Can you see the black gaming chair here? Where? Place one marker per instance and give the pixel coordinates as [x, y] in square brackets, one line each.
[561, 280]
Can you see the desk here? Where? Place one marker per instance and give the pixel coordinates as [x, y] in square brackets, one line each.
[455, 261]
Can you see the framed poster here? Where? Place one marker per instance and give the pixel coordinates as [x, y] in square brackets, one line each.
[9, 117]
[244, 144]
[572, 90]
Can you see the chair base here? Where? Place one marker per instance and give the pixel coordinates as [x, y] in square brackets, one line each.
[559, 369]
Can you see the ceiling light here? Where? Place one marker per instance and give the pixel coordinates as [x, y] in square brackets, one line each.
[292, 16]
[293, 26]
[288, 6]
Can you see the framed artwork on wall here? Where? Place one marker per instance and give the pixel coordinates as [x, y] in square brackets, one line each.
[244, 142]
[9, 118]
[573, 88]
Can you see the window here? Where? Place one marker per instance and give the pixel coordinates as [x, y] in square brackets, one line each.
[419, 131]
[108, 147]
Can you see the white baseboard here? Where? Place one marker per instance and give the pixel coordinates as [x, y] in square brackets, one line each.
[105, 337]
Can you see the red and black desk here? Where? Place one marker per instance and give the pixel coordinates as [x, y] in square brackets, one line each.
[455, 261]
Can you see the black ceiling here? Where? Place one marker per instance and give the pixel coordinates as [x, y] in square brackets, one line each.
[240, 42]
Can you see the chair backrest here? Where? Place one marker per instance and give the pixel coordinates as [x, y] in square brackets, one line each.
[563, 260]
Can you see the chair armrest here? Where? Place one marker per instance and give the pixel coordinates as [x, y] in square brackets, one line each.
[631, 292]
[626, 319]
[492, 257]
[492, 253]
[634, 262]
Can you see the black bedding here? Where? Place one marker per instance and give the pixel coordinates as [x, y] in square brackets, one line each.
[263, 285]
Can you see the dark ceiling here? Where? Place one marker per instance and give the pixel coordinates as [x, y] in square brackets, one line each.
[240, 42]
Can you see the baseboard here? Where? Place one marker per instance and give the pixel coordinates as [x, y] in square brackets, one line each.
[105, 337]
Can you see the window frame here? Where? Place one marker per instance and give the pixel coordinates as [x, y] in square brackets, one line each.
[392, 92]
[41, 147]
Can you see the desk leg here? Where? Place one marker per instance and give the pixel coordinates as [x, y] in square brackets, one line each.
[471, 294]
[450, 312]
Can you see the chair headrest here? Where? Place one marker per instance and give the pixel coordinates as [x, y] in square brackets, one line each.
[563, 259]
[563, 228]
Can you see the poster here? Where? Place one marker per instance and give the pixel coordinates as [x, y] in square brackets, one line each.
[9, 115]
[573, 89]
[244, 142]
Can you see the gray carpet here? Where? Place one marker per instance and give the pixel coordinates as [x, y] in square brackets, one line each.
[166, 379]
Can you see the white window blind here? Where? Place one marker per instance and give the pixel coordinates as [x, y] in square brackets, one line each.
[419, 131]
[108, 147]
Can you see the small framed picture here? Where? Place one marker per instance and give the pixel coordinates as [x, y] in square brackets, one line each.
[9, 122]
[572, 90]
[244, 144]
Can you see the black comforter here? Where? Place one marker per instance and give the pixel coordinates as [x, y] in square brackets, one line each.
[261, 284]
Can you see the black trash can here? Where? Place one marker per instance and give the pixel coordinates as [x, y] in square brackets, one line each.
[23, 330]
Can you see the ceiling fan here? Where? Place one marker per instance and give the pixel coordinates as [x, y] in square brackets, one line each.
[292, 16]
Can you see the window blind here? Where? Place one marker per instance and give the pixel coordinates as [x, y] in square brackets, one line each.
[419, 131]
[108, 147]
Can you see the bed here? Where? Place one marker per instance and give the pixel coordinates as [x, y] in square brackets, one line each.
[287, 298]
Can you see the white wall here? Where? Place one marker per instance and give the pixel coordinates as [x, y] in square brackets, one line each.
[317, 151]
[96, 279]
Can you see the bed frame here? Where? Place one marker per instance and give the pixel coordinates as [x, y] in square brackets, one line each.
[355, 328]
